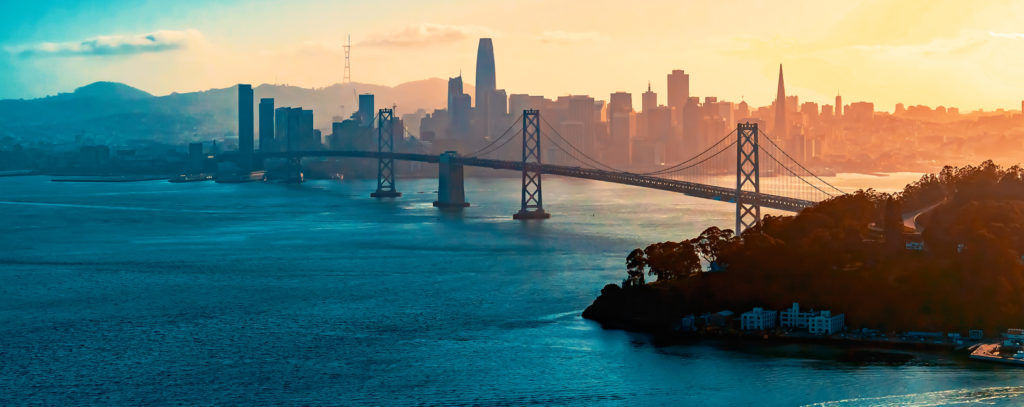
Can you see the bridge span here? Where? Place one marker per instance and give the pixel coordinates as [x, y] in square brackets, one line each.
[694, 189]
[795, 187]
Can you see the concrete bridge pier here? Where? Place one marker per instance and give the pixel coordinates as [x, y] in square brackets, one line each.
[451, 191]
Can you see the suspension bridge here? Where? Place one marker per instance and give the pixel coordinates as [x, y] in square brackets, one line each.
[745, 167]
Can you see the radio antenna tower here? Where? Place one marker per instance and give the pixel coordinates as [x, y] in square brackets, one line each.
[348, 68]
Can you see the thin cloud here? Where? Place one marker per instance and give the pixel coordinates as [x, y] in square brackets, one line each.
[1015, 36]
[426, 34]
[110, 45]
[567, 37]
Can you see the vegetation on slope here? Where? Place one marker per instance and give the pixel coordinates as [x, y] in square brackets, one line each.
[848, 254]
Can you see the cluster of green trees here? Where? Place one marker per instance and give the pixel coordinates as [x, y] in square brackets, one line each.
[848, 254]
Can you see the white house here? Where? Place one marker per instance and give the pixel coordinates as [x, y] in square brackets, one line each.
[824, 323]
[758, 319]
[819, 323]
[793, 318]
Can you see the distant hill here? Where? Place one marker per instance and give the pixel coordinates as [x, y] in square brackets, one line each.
[115, 113]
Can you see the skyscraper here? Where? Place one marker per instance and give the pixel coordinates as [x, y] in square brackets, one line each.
[779, 132]
[281, 138]
[678, 94]
[486, 88]
[245, 119]
[485, 75]
[620, 109]
[454, 89]
[366, 112]
[839, 106]
[266, 124]
[649, 99]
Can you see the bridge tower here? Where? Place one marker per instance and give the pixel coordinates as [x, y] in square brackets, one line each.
[748, 178]
[385, 165]
[451, 190]
[532, 203]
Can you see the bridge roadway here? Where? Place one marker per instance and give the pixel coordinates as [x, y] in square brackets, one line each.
[694, 189]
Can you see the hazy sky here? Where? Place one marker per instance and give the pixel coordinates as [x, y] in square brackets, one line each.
[968, 54]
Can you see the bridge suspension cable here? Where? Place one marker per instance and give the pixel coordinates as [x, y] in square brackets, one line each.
[553, 130]
[768, 137]
[487, 148]
[673, 168]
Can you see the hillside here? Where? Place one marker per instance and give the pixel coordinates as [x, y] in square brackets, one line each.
[115, 113]
[969, 275]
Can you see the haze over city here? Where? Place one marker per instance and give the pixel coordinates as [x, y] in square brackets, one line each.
[914, 52]
[565, 203]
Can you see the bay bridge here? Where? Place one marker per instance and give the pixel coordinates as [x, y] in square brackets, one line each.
[787, 184]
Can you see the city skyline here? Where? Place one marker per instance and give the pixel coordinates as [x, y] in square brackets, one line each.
[904, 63]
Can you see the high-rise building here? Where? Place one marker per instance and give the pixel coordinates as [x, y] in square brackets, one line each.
[459, 113]
[678, 95]
[582, 110]
[649, 100]
[781, 129]
[294, 129]
[742, 111]
[678, 89]
[266, 124]
[620, 109]
[454, 90]
[366, 110]
[309, 141]
[486, 113]
[839, 106]
[245, 119]
[485, 73]
[691, 127]
[281, 138]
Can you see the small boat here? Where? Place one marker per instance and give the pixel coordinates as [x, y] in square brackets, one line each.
[191, 178]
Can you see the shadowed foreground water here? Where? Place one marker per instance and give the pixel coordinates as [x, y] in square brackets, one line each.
[203, 293]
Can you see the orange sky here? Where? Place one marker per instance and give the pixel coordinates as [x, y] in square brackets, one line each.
[938, 52]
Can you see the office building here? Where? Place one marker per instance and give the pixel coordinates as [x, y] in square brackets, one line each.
[366, 111]
[267, 124]
[486, 82]
[620, 114]
[649, 99]
[678, 96]
[780, 131]
[245, 119]
[281, 139]
[307, 136]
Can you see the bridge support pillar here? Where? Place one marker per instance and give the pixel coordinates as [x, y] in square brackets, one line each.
[451, 191]
[385, 166]
[748, 178]
[532, 202]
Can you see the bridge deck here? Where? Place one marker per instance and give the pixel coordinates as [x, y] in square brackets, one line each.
[687, 188]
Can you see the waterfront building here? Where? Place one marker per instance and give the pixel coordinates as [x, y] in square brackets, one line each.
[758, 319]
[824, 323]
[976, 334]
[688, 323]
[245, 120]
[266, 124]
[819, 323]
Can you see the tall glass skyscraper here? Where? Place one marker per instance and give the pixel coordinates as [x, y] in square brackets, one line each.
[485, 76]
[245, 119]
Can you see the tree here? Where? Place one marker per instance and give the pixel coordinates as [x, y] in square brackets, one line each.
[711, 242]
[636, 262]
